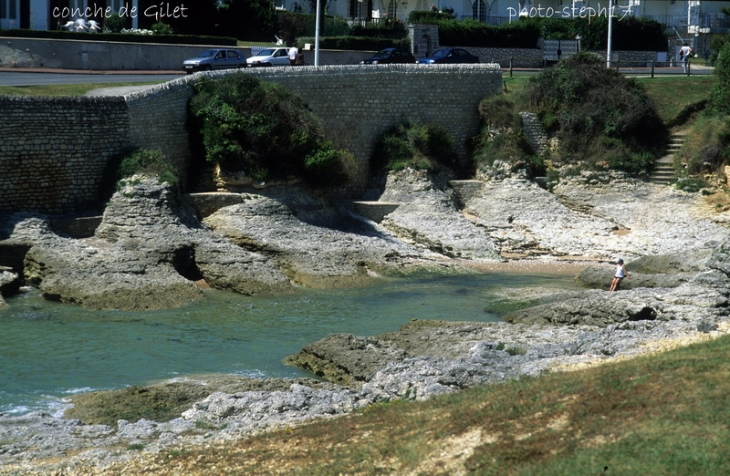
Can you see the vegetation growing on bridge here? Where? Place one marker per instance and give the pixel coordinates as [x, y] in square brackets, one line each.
[415, 145]
[265, 131]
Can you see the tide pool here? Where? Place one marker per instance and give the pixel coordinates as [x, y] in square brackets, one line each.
[50, 350]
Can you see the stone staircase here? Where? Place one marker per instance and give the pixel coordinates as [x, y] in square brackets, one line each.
[664, 172]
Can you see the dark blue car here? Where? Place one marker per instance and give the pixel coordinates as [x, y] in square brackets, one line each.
[390, 56]
[450, 56]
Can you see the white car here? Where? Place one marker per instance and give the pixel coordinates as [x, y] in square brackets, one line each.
[214, 59]
[269, 57]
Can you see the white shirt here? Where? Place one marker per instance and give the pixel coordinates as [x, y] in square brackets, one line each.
[684, 52]
[293, 53]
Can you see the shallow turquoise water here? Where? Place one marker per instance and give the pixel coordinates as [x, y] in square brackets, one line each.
[50, 350]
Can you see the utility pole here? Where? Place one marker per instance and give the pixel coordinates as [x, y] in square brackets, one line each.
[610, 33]
[316, 37]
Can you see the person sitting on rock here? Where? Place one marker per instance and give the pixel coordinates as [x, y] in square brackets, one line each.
[620, 274]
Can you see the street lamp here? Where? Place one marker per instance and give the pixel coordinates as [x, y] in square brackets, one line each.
[316, 37]
[610, 33]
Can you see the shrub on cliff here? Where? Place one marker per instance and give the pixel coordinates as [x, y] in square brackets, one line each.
[502, 139]
[419, 146]
[719, 102]
[599, 115]
[706, 148]
[149, 162]
[264, 131]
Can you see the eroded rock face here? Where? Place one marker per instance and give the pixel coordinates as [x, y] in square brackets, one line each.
[9, 284]
[428, 215]
[147, 254]
[315, 242]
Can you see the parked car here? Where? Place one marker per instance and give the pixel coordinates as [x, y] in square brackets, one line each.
[270, 57]
[450, 56]
[214, 59]
[390, 56]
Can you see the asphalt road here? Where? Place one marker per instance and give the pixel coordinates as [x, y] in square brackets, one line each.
[40, 78]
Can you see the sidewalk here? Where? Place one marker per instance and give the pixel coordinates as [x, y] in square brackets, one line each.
[88, 71]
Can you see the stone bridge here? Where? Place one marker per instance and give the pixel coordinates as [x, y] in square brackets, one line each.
[57, 155]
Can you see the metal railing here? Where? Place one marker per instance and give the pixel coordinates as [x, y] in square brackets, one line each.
[638, 68]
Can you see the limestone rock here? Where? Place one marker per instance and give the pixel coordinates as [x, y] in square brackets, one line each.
[314, 242]
[429, 217]
[346, 359]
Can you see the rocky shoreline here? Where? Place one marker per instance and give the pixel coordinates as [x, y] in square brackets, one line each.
[153, 250]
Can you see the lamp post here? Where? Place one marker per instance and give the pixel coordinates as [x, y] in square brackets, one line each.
[316, 37]
[610, 33]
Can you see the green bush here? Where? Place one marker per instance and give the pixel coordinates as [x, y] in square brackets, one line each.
[149, 162]
[598, 114]
[162, 28]
[691, 184]
[426, 17]
[115, 23]
[720, 94]
[502, 139]
[706, 147]
[263, 130]
[327, 166]
[419, 146]
[475, 33]
[356, 43]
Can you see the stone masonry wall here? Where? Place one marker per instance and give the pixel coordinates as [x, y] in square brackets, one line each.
[358, 105]
[157, 120]
[56, 154]
[54, 151]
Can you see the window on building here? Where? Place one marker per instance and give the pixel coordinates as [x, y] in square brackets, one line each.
[479, 11]
[9, 9]
[392, 9]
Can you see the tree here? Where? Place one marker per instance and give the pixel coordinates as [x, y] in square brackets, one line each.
[720, 93]
[323, 5]
[248, 19]
[199, 19]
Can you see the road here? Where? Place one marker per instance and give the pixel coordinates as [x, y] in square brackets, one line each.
[46, 77]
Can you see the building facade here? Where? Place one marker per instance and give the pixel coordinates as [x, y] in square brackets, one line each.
[689, 17]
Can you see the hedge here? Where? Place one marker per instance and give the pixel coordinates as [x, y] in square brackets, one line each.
[356, 43]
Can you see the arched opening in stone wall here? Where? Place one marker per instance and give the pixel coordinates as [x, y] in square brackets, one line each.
[429, 45]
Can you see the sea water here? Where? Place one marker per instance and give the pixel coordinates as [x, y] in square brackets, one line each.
[50, 350]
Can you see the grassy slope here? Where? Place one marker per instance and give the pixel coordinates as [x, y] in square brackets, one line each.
[665, 414]
[671, 94]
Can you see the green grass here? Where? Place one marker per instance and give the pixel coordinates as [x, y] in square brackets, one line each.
[63, 89]
[671, 94]
[666, 414]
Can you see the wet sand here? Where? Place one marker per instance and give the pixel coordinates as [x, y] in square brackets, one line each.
[533, 266]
